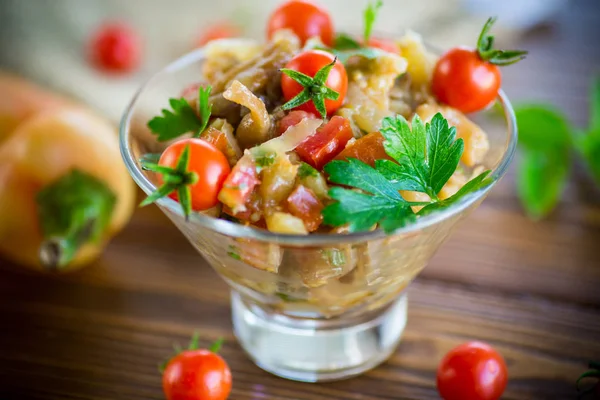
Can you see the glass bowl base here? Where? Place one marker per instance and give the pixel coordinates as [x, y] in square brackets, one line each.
[309, 350]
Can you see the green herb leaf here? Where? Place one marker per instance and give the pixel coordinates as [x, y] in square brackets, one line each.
[305, 171]
[542, 128]
[366, 52]
[370, 15]
[595, 106]
[216, 346]
[429, 154]
[204, 108]
[182, 118]
[361, 211]
[479, 182]
[540, 181]
[345, 42]
[589, 147]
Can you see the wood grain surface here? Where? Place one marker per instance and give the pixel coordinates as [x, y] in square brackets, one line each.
[532, 290]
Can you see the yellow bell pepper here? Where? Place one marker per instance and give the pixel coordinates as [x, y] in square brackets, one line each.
[64, 190]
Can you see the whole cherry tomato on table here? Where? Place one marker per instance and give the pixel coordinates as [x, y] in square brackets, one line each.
[472, 371]
[115, 47]
[192, 172]
[314, 81]
[304, 18]
[197, 374]
[469, 79]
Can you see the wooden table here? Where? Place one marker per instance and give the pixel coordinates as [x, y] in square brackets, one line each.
[532, 290]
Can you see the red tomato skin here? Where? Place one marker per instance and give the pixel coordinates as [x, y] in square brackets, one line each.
[293, 118]
[384, 44]
[329, 140]
[239, 185]
[462, 80]
[208, 162]
[115, 48]
[304, 204]
[309, 63]
[197, 375]
[304, 18]
[219, 30]
[473, 371]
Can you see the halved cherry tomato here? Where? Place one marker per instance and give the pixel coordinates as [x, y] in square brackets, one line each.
[304, 204]
[320, 148]
[197, 375]
[304, 18]
[207, 162]
[384, 44]
[239, 185]
[309, 63]
[292, 118]
[473, 371]
[115, 47]
[219, 30]
[464, 81]
[367, 149]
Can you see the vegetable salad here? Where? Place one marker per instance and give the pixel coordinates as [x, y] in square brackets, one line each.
[321, 131]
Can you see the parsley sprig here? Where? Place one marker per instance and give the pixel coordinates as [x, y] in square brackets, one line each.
[182, 118]
[427, 155]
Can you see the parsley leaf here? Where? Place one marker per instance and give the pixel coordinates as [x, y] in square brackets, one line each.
[427, 155]
[182, 118]
[370, 14]
[344, 41]
[479, 182]
[381, 204]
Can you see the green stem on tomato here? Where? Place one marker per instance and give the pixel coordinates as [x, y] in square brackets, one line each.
[72, 211]
[486, 52]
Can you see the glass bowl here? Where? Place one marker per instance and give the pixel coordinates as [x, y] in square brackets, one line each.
[310, 308]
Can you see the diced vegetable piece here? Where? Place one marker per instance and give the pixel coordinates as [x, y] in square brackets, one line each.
[291, 119]
[260, 255]
[292, 137]
[476, 141]
[239, 184]
[367, 149]
[329, 140]
[313, 180]
[233, 152]
[420, 61]
[277, 180]
[219, 140]
[280, 222]
[304, 204]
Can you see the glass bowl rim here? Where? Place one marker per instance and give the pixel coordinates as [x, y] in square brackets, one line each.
[232, 229]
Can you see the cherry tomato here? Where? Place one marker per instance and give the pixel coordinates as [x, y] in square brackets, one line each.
[219, 30]
[329, 140]
[464, 81]
[115, 48]
[291, 119]
[303, 17]
[309, 63]
[197, 375]
[473, 371]
[207, 162]
[384, 44]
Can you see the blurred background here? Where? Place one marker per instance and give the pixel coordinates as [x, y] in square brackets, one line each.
[522, 272]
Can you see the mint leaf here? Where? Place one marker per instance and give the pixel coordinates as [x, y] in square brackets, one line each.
[370, 15]
[540, 181]
[428, 154]
[479, 182]
[542, 127]
[173, 123]
[361, 211]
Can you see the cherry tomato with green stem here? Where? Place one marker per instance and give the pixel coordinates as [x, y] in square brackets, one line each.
[469, 79]
[314, 81]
